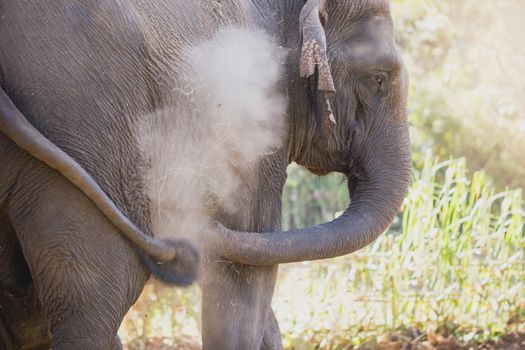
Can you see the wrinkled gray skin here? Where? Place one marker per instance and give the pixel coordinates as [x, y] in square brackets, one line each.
[85, 72]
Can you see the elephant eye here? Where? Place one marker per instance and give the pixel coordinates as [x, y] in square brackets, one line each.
[379, 79]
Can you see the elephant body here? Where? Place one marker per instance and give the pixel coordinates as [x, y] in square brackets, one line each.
[89, 76]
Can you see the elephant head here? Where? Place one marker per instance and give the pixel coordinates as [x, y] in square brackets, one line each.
[347, 113]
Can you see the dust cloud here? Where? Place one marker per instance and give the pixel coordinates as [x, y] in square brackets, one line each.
[225, 114]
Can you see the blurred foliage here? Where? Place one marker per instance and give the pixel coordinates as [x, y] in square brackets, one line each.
[467, 98]
[459, 263]
[310, 199]
[169, 314]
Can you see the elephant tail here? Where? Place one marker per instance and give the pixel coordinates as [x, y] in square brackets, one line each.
[175, 262]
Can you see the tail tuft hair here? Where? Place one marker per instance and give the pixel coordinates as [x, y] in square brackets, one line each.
[182, 271]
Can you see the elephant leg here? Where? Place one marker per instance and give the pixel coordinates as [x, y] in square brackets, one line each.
[6, 338]
[272, 339]
[117, 344]
[235, 303]
[22, 321]
[85, 275]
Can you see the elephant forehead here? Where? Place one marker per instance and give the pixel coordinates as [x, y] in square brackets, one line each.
[369, 43]
[366, 56]
[352, 10]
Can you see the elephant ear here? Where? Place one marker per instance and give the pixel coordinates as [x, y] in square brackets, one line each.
[314, 62]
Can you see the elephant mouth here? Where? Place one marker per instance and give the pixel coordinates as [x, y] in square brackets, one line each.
[317, 171]
[327, 165]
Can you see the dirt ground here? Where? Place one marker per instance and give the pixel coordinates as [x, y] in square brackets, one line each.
[433, 341]
[405, 341]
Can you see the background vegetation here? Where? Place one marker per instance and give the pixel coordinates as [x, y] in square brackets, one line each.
[454, 259]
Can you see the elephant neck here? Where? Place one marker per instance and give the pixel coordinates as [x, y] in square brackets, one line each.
[301, 124]
[278, 18]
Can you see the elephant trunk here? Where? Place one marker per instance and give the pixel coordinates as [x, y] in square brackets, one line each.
[376, 196]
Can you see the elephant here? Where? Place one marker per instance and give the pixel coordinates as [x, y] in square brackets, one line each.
[76, 235]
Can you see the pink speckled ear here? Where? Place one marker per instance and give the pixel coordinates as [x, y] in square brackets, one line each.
[313, 54]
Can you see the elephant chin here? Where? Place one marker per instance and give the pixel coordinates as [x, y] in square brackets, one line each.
[317, 171]
[376, 197]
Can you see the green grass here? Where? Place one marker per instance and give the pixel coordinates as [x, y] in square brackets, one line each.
[455, 258]
[458, 261]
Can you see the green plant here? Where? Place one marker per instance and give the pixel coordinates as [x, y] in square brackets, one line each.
[459, 259]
